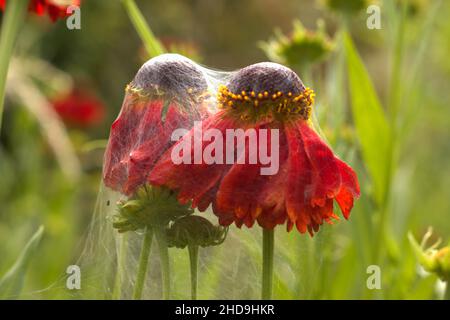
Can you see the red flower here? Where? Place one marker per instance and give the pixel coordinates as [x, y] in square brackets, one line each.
[138, 138]
[55, 8]
[79, 109]
[159, 100]
[310, 176]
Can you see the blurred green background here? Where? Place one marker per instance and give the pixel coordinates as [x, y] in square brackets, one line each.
[51, 159]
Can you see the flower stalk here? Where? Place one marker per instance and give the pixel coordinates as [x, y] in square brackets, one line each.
[193, 259]
[193, 232]
[267, 273]
[143, 263]
[161, 238]
[118, 281]
[152, 45]
[120, 273]
[14, 16]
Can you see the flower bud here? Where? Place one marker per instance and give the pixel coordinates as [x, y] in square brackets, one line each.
[149, 207]
[301, 49]
[195, 231]
[433, 260]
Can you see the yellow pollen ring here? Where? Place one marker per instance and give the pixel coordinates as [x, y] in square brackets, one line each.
[277, 102]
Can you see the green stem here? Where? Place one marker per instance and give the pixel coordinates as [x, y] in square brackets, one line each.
[447, 291]
[267, 272]
[143, 263]
[164, 260]
[152, 45]
[12, 20]
[121, 260]
[193, 259]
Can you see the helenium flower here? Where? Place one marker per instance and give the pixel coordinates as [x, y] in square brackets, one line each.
[167, 93]
[310, 177]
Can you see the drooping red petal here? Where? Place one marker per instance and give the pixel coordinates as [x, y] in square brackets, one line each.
[273, 196]
[271, 217]
[140, 161]
[122, 139]
[321, 214]
[247, 194]
[234, 194]
[138, 138]
[316, 177]
[299, 187]
[156, 137]
[193, 181]
[326, 176]
[349, 188]
[310, 177]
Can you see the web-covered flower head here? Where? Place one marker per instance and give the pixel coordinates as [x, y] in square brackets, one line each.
[167, 93]
[267, 105]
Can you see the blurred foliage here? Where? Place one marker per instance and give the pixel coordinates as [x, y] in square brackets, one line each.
[12, 282]
[405, 65]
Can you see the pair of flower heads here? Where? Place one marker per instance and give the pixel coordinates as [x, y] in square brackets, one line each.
[240, 143]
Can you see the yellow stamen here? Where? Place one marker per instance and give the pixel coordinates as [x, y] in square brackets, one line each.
[299, 105]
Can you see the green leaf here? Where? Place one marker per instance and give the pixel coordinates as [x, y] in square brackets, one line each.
[370, 120]
[12, 282]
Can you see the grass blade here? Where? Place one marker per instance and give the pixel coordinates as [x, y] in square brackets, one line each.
[12, 282]
[370, 120]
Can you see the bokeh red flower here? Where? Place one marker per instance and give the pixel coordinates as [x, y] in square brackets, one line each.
[56, 9]
[79, 108]
[310, 176]
[165, 95]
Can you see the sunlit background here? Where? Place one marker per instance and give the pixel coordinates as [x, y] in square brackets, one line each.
[65, 87]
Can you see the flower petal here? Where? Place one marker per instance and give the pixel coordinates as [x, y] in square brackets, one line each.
[122, 134]
[247, 193]
[299, 185]
[138, 138]
[349, 188]
[326, 177]
[192, 181]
